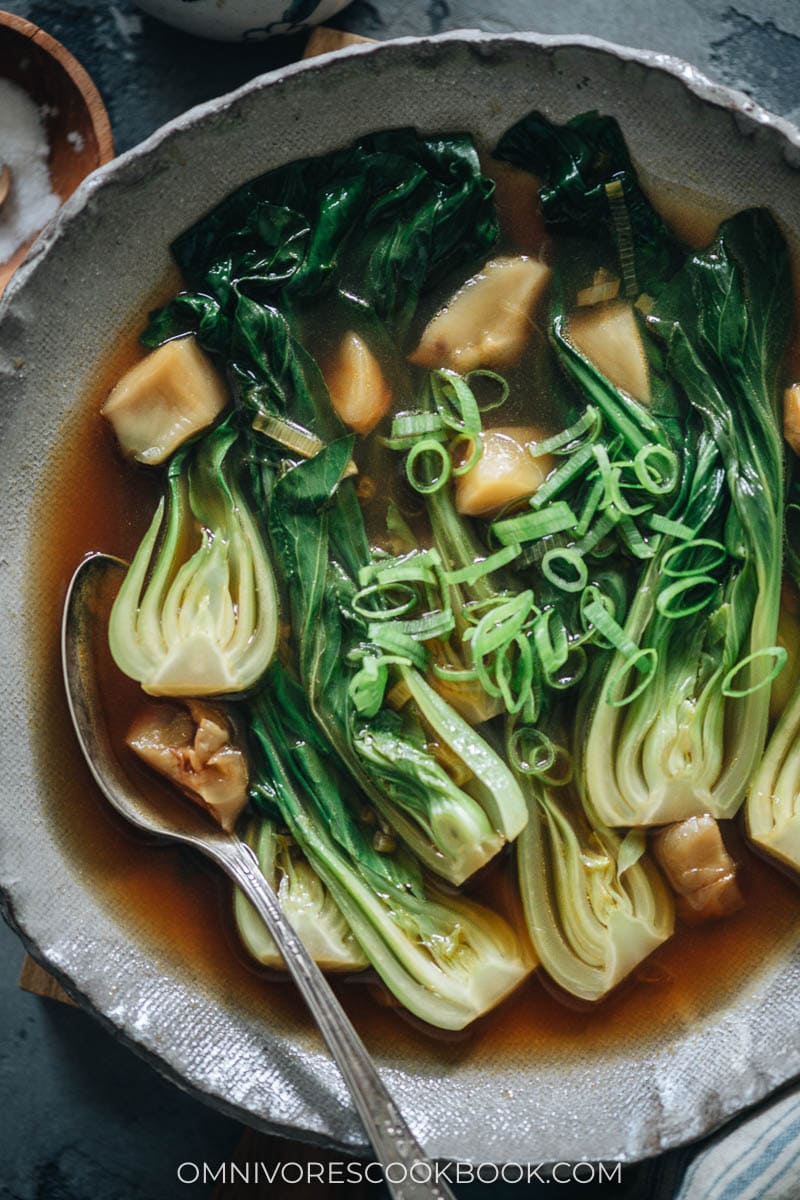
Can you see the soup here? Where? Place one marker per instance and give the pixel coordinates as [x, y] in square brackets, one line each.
[534, 532]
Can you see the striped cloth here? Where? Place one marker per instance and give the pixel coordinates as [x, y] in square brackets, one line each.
[757, 1159]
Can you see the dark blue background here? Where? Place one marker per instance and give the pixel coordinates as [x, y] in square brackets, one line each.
[82, 1118]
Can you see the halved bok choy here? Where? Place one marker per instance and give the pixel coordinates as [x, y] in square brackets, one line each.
[681, 716]
[445, 958]
[773, 800]
[197, 613]
[595, 905]
[302, 895]
[437, 782]
[772, 811]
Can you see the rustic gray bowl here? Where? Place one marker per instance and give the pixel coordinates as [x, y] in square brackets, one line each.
[88, 277]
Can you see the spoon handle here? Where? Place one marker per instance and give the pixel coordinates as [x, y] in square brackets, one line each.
[391, 1138]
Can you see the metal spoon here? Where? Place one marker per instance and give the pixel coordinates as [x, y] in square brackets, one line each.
[84, 624]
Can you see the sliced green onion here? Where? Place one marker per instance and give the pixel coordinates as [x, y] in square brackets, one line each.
[500, 624]
[603, 526]
[386, 636]
[294, 437]
[428, 446]
[416, 424]
[485, 566]
[420, 566]
[473, 610]
[560, 478]
[738, 693]
[589, 508]
[634, 540]
[474, 456]
[432, 625]
[658, 483]
[681, 587]
[454, 674]
[385, 589]
[577, 575]
[529, 525]
[685, 547]
[514, 668]
[666, 525]
[406, 443]
[532, 553]
[455, 402]
[637, 661]
[484, 373]
[571, 671]
[596, 613]
[530, 750]
[588, 422]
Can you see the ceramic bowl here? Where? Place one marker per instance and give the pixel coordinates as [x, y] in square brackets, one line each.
[217, 1031]
[242, 20]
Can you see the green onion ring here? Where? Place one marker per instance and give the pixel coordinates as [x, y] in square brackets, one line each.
[428, 446]
[737, 693]
[574, 559]
[475, 452]
[679, 588]
[646, 654]
[693, 544]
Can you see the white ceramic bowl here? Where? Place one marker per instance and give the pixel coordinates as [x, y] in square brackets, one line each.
[89, 277]
[242, 20]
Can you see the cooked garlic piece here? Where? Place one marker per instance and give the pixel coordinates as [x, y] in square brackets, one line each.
[164, 400]
[505, 471]
[358, 389]
[489, 320]
[699, 869]
[609, 337]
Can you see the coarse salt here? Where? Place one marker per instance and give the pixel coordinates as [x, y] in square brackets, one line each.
[23, 148]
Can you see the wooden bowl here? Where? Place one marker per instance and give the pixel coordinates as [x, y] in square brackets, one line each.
[76, 124]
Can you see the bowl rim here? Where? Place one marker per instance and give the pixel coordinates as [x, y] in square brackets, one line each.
[749, 117]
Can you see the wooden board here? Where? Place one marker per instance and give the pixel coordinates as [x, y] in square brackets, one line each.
[323, 40]
[34, 979]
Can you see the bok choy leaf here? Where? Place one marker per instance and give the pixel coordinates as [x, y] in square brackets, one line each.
[772, 810]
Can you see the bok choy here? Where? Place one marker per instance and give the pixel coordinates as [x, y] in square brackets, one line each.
[773, 800]
[681, 712]
[304, 899]
[594, 904]
[197, 613]
[705, 614]
[318, 536]
[445, 958]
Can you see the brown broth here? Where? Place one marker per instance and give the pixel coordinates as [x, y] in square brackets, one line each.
[182, 911]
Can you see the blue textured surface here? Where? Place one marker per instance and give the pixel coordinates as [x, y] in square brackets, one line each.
[82, 1118]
